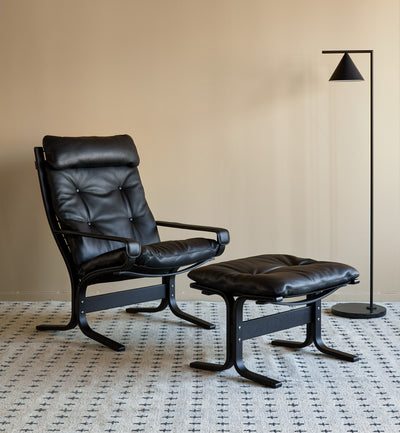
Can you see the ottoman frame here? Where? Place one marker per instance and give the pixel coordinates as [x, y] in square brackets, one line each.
[239, 330]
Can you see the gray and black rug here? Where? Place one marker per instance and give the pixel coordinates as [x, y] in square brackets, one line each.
[64, 382]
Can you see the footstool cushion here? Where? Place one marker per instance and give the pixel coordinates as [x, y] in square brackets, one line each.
[273, 276]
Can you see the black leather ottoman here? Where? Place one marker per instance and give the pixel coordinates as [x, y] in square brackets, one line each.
[271, 278]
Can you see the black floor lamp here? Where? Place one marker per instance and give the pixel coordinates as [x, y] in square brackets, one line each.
[347, 71]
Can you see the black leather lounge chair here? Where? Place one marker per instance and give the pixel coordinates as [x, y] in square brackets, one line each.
[98, 214]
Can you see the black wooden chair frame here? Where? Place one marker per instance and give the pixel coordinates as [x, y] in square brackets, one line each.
[83, 304]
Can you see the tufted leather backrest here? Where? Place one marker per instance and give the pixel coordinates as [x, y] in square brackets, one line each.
[95, 187]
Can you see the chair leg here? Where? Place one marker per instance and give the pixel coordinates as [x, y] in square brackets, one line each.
[73, 321]
[170, 284]
[87, 330]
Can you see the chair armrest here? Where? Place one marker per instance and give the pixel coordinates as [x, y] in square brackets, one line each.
[222, 234]
[133, 247]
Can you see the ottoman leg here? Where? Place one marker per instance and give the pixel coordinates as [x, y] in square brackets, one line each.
[299, 344]
[320, 345]
[238, 330]
[229, 302]
[314, 336]
[234, 346]
[293, 344]
[238, 341]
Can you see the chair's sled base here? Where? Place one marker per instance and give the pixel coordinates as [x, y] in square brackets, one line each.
[82, 305]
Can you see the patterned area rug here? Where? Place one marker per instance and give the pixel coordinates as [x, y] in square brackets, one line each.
[64, 382]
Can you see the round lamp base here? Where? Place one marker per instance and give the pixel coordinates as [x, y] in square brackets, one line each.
[358, 310]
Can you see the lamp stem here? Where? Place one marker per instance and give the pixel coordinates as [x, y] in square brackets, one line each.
[371, 252]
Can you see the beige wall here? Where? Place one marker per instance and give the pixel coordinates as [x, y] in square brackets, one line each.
[236, 123]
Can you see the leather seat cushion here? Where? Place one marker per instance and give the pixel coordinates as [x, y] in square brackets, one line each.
[173, 254]
[160, 257]
[273, 275]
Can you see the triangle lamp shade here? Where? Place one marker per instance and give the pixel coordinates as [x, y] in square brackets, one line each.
[346, 70]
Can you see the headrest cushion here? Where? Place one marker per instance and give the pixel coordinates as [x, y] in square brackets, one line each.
[81, 152]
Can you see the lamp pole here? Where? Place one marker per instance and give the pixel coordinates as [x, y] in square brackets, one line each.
[348, 72]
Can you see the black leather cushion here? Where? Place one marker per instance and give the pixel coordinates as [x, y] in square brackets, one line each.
[112, 259]
[107, 199]
[161, 257]
[173, 254]
[273, 275]
[83, 152]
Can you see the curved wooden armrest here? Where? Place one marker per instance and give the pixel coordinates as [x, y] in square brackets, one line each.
[222, 234]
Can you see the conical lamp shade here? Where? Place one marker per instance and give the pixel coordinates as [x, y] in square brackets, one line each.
[346, 70]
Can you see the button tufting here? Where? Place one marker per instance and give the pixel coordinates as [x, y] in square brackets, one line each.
[130, 219]
[120, 188]
[89, 223]
[78, 190]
